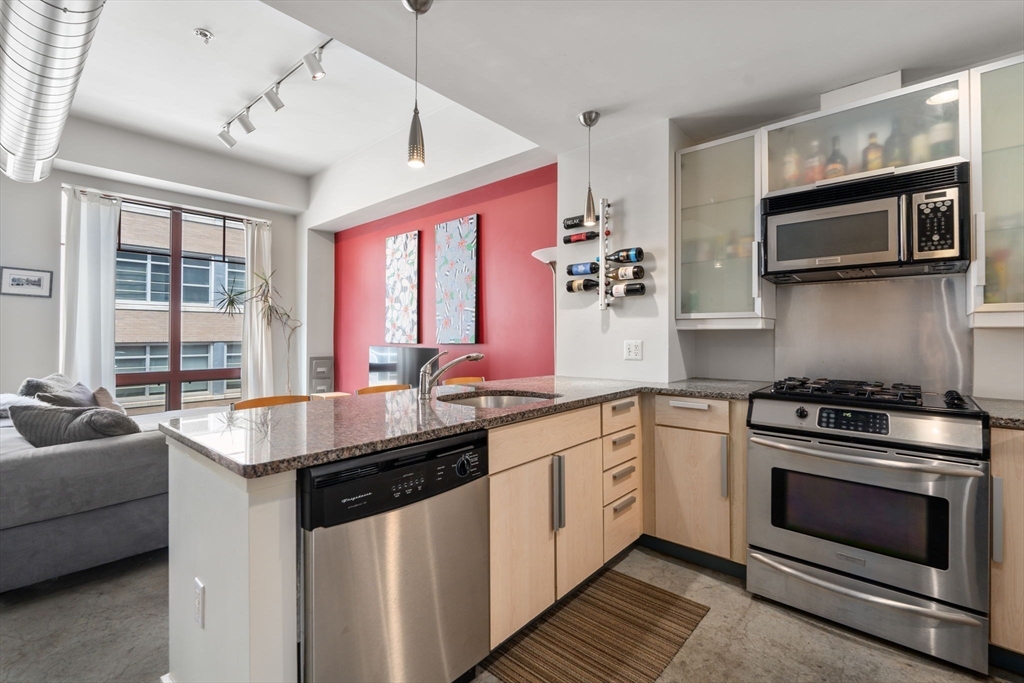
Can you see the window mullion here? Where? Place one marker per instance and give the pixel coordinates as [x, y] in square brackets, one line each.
[174, 322]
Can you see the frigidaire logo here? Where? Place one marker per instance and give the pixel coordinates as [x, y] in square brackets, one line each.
[361, 495]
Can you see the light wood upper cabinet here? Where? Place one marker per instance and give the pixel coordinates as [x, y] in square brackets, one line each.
[1007, 613]
[579, 544]
[522, 546]
[692, 489]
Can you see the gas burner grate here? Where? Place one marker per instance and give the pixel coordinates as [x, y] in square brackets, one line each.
[869, 392]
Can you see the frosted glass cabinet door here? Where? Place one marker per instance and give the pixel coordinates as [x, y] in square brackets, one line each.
[1002, 182]
[714, 267]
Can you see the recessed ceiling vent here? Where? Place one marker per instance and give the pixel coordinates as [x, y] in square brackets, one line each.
[43, 46]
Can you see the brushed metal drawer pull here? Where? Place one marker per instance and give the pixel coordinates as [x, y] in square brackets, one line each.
[623, 472]
[997, 519]
[624, 504]
[688, 404]
[623, 405]
[625, 438]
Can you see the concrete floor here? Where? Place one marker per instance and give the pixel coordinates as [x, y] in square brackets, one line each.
[110, 624]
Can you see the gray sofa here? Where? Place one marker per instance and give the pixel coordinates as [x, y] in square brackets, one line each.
[74, 506]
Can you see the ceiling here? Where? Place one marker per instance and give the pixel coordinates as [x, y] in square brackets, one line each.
[713, 67]
[147, 72]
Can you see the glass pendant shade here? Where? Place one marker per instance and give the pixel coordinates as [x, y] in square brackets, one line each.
[590, 214]
[417, 152]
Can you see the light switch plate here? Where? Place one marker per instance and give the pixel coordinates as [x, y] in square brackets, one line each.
[633, 349]
[199, 606]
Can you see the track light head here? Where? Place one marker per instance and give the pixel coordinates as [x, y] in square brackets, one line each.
[313, 65]
[244, 122]
[226, 137]
[273, 99]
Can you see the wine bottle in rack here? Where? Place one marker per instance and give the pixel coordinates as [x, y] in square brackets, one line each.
[634, 255]
[580, 237]
[626, 273]
[631, 289]
[582, 269]
[581, 285]
[573, 222]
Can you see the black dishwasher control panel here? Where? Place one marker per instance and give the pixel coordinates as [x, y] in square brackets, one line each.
[362, 486]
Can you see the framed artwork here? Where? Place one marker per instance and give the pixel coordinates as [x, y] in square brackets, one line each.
[401, 287]
[455, 255]
[26, 282]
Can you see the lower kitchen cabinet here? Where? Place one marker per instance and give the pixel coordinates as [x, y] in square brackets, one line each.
[579, 544]
[623, 523]
[1007, 612]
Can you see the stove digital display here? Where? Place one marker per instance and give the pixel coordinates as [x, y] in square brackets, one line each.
[853, 420]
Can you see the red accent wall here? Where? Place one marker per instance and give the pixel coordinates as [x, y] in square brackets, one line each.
[514, 299]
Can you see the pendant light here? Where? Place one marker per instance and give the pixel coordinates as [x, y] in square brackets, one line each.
[589, 119]
[417, 151]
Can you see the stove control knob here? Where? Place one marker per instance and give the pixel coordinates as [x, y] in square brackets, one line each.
[462, 467]
[801, 412]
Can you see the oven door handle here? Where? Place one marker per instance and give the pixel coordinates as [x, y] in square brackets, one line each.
[952, 617]
[951, 470]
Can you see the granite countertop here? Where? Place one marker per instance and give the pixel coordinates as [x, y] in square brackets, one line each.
[264, 441]
[1003, 413]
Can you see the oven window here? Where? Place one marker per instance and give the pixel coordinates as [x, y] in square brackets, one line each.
[862, 233]
[908, 526]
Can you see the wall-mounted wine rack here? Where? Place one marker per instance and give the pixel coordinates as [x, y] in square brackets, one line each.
[603, 290]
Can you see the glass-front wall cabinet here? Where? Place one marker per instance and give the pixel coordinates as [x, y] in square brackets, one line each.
[922, 125]
[716, 229]
[1001, 161]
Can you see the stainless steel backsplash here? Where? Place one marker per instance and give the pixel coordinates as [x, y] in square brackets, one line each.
[911, 329]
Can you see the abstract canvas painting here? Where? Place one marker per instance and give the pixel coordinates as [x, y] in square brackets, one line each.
[401, 287]
[455, 245]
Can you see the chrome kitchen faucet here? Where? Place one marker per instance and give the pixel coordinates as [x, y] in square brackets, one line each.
[428, 380]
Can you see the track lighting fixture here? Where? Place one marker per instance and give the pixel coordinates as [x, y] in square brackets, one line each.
[273, 99]
[589, 119]
[244, 122]
[226, 137]
[417, 150]
[313, 65]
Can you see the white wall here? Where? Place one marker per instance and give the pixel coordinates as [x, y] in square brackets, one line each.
[315, 299]
[30, 231]
[999, 363]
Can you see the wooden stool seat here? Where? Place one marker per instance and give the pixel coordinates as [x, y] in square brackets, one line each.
[463, 380]
[267, 401]
[328, 394]
[381, 388]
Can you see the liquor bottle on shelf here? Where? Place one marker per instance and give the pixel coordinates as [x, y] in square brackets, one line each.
[631, 289]
[582, 268]
[634, 255]
[791, 164]
[814, 164]
[920, 150]
[581, 285]
[896, 151]
[835, 166]
[580, 237]
[626, 273]
[573, 222]
[871, 157]
[942, 135]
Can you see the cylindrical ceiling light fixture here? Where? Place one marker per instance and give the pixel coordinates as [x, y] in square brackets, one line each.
[244, 122]
[417, 149]
[313, 65]
[226, 137]
[273, 98]
[589, 119]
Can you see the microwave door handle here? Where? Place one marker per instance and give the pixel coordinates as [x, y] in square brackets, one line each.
[902, 251]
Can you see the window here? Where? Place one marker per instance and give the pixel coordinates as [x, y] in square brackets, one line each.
[174, 345]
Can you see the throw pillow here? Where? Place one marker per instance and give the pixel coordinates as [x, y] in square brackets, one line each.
[53, 425]
[48, 384]
[8, 400]
[104, 399]
[78, 396]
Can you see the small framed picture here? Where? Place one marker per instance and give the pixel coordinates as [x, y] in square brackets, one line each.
[26, 282]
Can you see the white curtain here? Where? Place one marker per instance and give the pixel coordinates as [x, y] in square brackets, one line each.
[87, 302]
[257, 351]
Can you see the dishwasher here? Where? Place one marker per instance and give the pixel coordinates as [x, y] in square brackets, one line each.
[395, 568]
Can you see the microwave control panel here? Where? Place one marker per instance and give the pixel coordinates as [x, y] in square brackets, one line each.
[936, 224]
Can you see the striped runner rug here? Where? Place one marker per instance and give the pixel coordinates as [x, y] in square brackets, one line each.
[614, 628]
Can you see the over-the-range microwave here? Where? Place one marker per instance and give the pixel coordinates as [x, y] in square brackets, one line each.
[915, 223]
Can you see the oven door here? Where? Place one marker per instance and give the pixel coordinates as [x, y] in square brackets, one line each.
[858, 234]
[916, 523]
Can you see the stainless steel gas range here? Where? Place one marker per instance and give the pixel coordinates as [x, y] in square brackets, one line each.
[869, 505]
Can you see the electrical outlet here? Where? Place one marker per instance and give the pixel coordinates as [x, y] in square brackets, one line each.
[199, 607]
[633, 349]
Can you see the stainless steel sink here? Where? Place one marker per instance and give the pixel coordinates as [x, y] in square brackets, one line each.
[494, 400]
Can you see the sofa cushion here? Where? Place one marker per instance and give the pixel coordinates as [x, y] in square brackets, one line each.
[78, 396]
[52, 425]
[49, 384]
[104, 399]
[8, 400]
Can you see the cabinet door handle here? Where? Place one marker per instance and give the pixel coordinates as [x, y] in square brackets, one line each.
[561, 493]
[725, 466]
[625, 438]
[997, 519]
[689, 404]
[556, 493]
[623, 472]
[755, 257]
[623, 405]
[624, 504]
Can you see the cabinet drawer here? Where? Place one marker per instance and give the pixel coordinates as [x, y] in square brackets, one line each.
[704, 414]
[618, 481]
[620, 447]
[520, 443]
[621, 414]
[623, 520]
